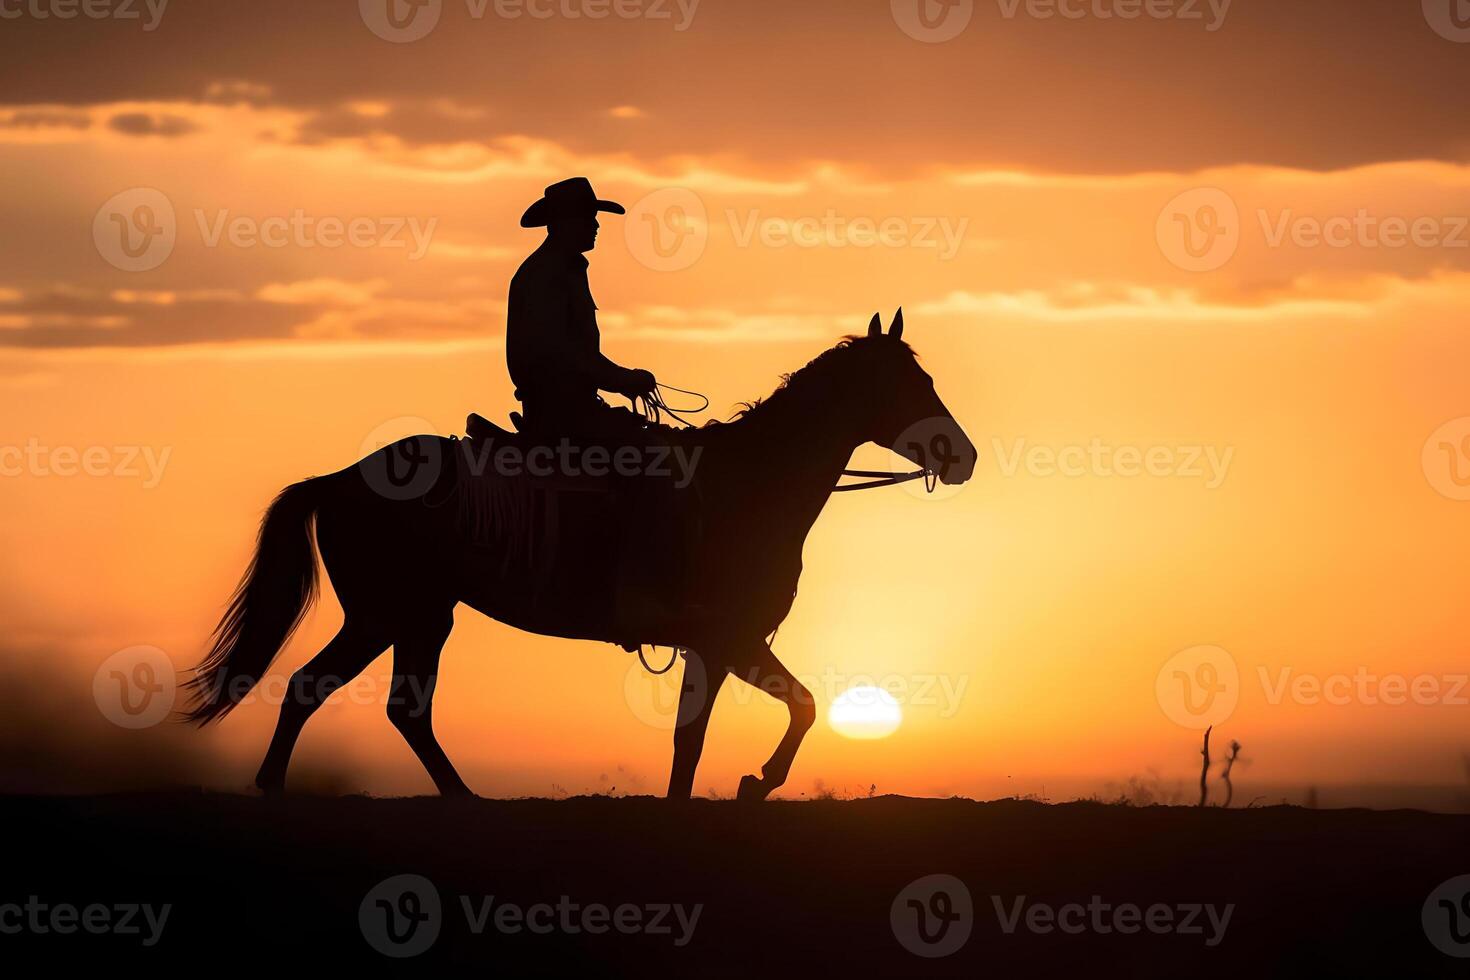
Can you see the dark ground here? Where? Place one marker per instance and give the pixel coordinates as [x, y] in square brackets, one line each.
[786, 888]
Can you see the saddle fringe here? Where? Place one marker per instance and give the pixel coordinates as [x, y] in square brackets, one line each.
[492, 511]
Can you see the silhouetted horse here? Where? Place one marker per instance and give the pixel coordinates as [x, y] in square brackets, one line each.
[401, 566]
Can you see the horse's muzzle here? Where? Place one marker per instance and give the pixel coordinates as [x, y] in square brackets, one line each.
[960, 465]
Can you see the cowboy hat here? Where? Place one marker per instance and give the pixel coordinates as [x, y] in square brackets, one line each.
[568, 197]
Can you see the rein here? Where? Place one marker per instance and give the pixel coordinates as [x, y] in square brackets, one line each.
[653, 405]
[883, 478]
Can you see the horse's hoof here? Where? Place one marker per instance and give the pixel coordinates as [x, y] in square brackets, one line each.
[271, 791]
[752, 790]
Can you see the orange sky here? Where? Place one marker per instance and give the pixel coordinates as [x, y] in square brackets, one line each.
[1022, 189]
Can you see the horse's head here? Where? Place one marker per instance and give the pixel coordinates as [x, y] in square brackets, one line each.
[906, 414]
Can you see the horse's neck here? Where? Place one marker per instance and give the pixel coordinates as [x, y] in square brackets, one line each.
[800, 447]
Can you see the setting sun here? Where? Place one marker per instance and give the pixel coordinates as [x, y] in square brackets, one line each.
[865, 712]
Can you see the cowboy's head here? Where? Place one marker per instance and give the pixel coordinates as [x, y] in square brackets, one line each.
[568, 212]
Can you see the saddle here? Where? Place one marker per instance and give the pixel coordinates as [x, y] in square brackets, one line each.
[479, 427]
[560, 532]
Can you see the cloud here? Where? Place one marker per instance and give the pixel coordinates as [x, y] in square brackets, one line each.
[145, 124]
[722, 326]
[1091, 302]
[322, 292]
[1268, 87]
[168, 297]
[472, 253]
[44, 117]
[234, 91]
[31, 322]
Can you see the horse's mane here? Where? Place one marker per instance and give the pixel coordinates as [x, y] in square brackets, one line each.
[820, 373]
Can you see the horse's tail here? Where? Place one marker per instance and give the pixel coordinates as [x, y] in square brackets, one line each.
[267, 607]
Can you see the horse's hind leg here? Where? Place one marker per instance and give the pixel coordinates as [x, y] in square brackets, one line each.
[410, 706]
[761, 669]
[354, 647]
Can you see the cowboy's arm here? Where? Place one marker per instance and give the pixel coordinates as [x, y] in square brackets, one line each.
[606, 373]
[575, 352]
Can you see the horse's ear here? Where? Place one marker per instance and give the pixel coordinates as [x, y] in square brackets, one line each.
[875, 329]
[896, 331]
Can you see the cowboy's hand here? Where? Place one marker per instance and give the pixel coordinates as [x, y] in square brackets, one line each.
[640, 383]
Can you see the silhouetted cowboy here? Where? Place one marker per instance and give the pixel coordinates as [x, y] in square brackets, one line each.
[552, 343]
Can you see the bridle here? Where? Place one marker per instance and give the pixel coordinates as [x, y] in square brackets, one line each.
[653, 406]
[883, 478]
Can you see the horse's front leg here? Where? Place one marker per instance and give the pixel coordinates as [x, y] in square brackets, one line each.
[760, 668]
[700, 685]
